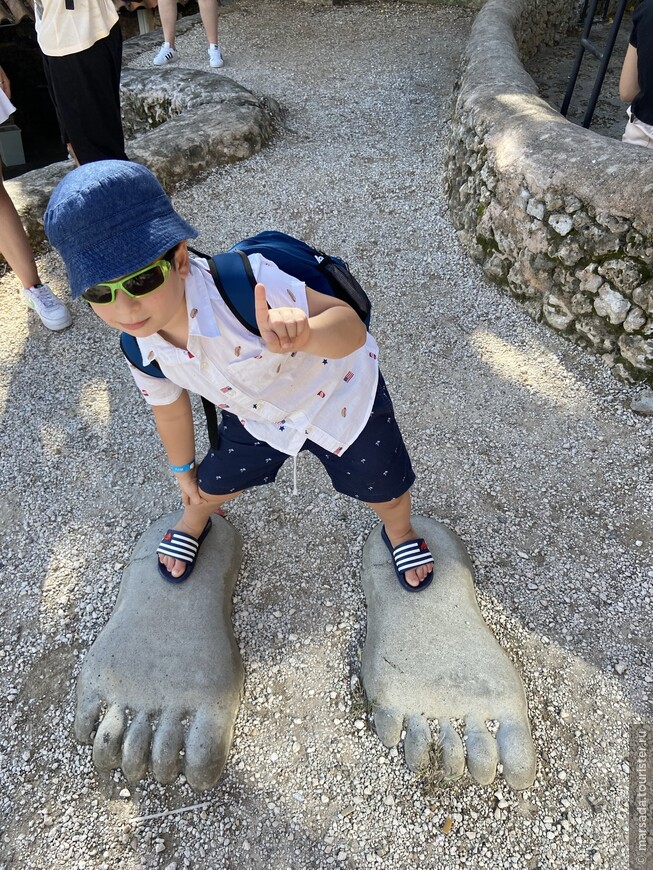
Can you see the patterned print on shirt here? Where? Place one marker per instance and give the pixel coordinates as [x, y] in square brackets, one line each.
[348, 377]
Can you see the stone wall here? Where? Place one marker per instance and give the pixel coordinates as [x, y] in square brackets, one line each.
[557, 214]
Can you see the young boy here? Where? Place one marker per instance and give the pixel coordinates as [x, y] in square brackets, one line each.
[310, 382]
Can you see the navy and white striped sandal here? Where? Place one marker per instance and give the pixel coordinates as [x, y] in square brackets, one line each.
[410, 554]
[182, 546]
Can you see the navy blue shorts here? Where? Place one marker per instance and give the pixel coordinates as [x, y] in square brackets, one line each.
[375, 468]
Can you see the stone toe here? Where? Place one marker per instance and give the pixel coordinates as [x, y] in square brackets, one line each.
[136, 748]
[482, 753]
[167, 744]
[418, 742]
[388, 725]
[107, 746]
[207, 746]
[517, 754]
[87, 715]
[452, 752]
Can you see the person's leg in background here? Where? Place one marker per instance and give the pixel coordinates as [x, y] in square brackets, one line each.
[15, 248]
[85, 90]
[168, 15]
[209, 16]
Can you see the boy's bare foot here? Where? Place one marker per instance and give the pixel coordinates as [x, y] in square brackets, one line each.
[162, 683]
[431, 657]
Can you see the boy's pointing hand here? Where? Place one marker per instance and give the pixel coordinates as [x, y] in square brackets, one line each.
[284, 330]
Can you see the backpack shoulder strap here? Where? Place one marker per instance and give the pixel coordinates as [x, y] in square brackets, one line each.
[235, 281]
[132, 351]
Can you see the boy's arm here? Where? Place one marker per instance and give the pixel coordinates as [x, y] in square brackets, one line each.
[177, 432]
[332, 328]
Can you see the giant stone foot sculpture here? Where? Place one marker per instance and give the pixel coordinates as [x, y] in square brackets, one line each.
[430, 655]
[164, 678]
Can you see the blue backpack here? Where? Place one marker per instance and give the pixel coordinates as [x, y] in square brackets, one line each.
[235, 281]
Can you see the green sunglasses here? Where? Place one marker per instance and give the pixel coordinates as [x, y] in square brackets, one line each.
[140, 283]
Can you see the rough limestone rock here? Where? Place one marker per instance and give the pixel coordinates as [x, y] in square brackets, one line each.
[178, 122]
[181, 122]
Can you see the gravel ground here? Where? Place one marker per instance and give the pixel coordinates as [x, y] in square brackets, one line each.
[523, 443]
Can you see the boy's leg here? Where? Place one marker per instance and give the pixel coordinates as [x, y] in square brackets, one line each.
[239, 462]
[377, 464]
[395, 516]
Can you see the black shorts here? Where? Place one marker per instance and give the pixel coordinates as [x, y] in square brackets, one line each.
[85, 90]
[375, 468]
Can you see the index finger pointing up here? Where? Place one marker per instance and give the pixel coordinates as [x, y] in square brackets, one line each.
[260, 306]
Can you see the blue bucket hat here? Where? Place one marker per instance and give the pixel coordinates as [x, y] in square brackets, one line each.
[110, 218]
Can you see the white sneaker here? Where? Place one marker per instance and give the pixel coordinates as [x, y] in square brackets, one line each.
[215, 56]
[51, 310]
[165, 55]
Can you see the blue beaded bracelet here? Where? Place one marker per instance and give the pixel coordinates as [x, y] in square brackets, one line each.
[179, 469]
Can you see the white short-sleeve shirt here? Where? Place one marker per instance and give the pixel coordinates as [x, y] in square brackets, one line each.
[283, 399]
[62, 31]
